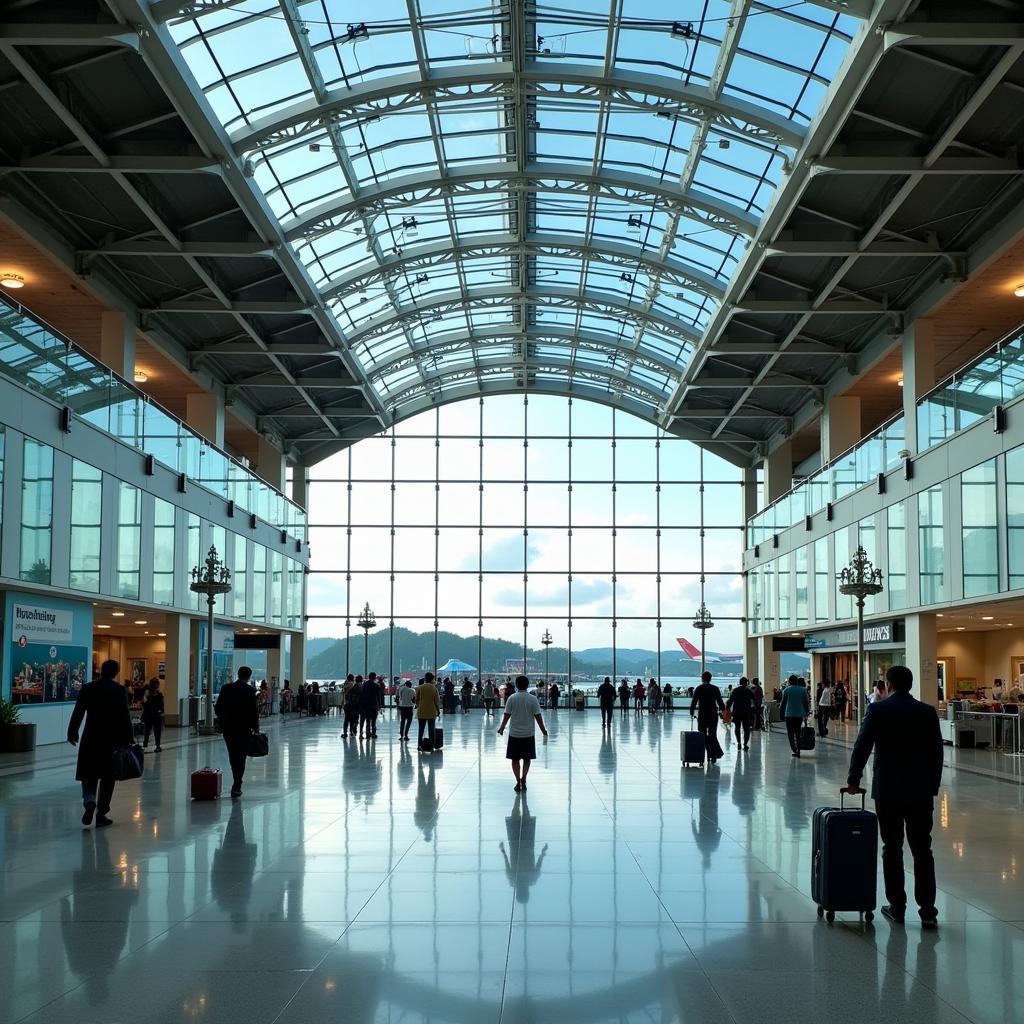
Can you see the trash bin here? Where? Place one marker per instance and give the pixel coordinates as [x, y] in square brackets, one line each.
[581, 700]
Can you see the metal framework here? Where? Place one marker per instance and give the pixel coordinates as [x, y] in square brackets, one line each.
[707, 221]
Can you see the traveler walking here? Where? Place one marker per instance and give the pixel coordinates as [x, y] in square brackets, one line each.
[795, 708]
[406, 698]
[553, 694]
[467, 696]
[369, 706]
[839, 700]
[741, 705]
[606, 694]
[706, 704]
[428, 707]
[449, 697]
[238, 712]
[757, 692]
[907, 770]
[823, 712]
[103, 704]
[624, 697]
[350, 705]
[489, 698]
[522, 709]
[153, 714]
[654, 696]
[639, 693]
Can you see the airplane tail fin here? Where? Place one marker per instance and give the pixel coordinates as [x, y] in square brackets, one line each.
[688, 649]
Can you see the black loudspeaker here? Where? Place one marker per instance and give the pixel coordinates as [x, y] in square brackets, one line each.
[998, 419]
[881, 483]
[65, 419]
[182, 483]
[149, 465]
[775, 540]
[808, 523]
[828, 511]
[231, 509]
[252, 521]
[908, 469]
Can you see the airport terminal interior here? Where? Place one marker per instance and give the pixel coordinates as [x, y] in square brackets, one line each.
[582, 340]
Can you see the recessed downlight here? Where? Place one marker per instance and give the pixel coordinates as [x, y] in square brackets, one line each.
[12, 281]
[118, 615]
[142, 622]
[102, 625]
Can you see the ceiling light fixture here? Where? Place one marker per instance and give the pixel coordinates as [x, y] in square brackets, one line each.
[142, 622]
[1018, 291]
[141, 376]
[987, 618]
[960, 629]
[102, 625]
[899, 382]
[118, 615]
[13, 281]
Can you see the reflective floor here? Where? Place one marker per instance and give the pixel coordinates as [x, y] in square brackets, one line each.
[359, 882]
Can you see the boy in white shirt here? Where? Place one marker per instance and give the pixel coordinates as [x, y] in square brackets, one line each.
[522, 709]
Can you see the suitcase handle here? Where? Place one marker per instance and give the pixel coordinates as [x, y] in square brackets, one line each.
[842, 799]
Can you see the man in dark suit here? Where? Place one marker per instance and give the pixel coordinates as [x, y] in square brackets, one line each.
[706, 704]
[905, 780]
[108, 725]
[238, 712]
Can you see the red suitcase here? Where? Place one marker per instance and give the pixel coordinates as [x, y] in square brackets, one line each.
[206, 783]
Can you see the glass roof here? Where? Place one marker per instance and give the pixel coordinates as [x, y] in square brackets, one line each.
[517, 192]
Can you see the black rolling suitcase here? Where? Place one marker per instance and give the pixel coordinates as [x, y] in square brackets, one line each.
[438, 739]
[806, 738]
[844, 860]
[691, 748]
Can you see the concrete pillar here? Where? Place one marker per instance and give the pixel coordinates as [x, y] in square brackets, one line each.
[300, 485]
[270, 463]
[922, 650]
[297, 660]
[117, 343]
[918, 349]
[840, 426]
[769, 665]
[750, 663]
[204, 412]
[177, 681]
[748, 493]
[275, 664]
[778, 472]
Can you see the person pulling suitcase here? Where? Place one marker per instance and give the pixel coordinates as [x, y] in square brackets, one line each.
[907, 769]
[706, 704]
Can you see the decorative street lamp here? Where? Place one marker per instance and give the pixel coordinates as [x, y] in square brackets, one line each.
[547, 641]
[366, 623]
[212, 578]
[703, 622]
[860, 579]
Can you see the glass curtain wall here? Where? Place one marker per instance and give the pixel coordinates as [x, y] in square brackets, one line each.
[86, 512]
[472, 529]
[36, 511]
[163, 552]
[129, 537]
[980, 530]
[931, 553]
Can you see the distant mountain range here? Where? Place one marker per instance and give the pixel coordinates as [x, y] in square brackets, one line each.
[326, 657]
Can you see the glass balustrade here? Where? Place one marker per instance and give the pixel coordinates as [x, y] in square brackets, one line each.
[41, 360]
[969, 395]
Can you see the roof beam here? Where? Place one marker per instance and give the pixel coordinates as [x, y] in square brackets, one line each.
[74, 164]
[308, 381]
[501, 177]
[954, 33]
[63, 34]
[656, 93]
[747, 412]
[881, 165]
[422, 257]
[158, 247]
[272, 350]
[797, 348]
[855, 307]
[797, 247]
[247, 306]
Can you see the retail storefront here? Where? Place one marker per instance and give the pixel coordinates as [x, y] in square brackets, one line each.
[834, 652]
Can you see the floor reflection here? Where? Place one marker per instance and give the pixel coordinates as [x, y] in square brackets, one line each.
[522, 865]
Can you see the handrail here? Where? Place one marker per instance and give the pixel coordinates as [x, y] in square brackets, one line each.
[20, 309]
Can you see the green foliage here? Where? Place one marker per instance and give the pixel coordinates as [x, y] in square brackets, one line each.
[10, 714]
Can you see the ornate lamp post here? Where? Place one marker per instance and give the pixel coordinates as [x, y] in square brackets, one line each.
[212, 578]
[366, 623]
[703, 622]
[547, 641]
[860, 579]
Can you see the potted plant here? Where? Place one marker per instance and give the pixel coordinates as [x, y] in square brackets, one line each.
[16, 737]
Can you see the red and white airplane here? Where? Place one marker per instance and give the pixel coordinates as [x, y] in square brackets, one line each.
[710, 658]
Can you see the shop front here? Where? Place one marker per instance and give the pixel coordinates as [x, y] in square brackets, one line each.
[834, 653]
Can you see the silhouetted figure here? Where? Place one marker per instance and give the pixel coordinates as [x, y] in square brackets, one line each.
[238, 712]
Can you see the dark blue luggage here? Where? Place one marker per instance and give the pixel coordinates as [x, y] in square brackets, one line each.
[691, 748]
[844, 860]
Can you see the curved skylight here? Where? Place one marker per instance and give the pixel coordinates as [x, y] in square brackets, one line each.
[517, 194]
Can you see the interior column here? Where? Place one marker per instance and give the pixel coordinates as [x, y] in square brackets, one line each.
[778, 472]
[918, 349]
[297, 660]
[769, 665]
[840, 426]
[922, 650]
[117, 343]
[177, 681]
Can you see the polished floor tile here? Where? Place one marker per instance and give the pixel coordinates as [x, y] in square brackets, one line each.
[360, 881]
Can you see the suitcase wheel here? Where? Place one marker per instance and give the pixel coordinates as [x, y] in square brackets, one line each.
[869, 916]
[821, 911]
[830, 916]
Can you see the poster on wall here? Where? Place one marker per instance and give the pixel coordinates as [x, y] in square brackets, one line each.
[137, 668]
[46, 673]
[223, 657]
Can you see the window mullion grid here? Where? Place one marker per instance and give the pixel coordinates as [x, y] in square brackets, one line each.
[568, 667]
[657, 546]
[348, 562]
[526, 532]
[391, 615]
[437, 525]
[480, 557]
[615, 543]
